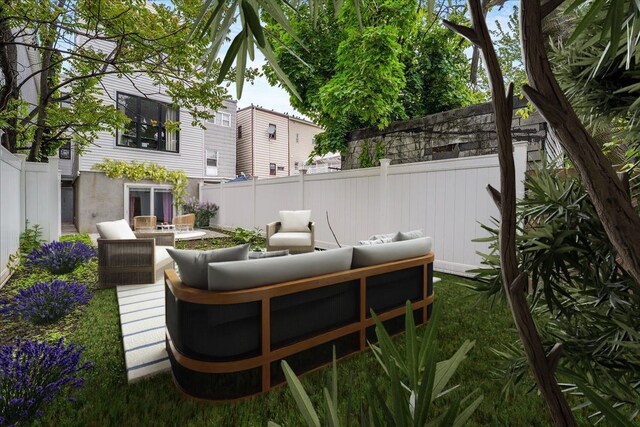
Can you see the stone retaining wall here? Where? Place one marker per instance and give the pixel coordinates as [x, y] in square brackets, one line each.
[464, 132]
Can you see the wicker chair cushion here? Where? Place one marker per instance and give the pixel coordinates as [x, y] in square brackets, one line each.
[192, 265]
[364, 256]
[291, 239]
[409, 235]
[294, 221]
[115, 230]
[259, 272]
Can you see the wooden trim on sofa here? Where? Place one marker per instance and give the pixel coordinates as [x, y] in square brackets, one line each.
[264, 294]
[200, 296]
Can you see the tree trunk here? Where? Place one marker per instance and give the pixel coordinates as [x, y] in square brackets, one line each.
[514, 281]
[9, 92]
[620, 221]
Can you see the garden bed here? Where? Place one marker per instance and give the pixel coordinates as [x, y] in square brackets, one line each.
[107, 399]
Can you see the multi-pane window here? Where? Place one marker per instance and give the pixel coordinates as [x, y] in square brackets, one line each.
[272, 168]
[297, 138]
[281, 168]
[212, 163]
[296, 165]
[147, 128]
[149, 200]
[221, 119]
[239, 131]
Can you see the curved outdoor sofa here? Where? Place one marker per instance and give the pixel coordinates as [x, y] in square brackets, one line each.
[228, 344]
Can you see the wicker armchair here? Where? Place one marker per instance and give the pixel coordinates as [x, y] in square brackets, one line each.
[134, 261]
[184, 222]
[296, 242]
[144, 222]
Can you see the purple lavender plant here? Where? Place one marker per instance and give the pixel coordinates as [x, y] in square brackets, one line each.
[203, 211]
[46, 302]
[60, 257]
[32, 374]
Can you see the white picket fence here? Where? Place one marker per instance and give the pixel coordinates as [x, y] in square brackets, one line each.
[445, 198]
[29, 192]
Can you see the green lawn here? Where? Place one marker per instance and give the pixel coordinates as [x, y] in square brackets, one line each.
[107, 399]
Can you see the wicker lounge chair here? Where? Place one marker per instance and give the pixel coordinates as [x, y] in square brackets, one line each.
[184, 222]
[126, 258]
[144, 223]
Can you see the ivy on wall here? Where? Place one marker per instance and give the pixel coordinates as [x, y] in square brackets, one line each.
[137, 171]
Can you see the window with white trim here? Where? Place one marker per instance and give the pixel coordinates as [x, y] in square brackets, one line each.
[221, 119]
[212, 163]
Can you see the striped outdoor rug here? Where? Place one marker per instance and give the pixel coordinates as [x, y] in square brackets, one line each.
[143, 329]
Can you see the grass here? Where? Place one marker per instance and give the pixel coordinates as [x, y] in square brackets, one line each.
[108, 400]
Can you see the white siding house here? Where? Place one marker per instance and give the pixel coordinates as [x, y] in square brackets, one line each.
[202, 154]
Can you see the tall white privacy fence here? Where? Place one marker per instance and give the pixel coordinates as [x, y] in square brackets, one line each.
[29, 193]
[445, 198]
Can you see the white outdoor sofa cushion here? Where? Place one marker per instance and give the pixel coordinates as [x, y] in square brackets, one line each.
[234, 275]
[364, 256]
[295, 221]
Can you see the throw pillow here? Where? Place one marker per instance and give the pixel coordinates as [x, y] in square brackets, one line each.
[294, 221]
[193, 265]
[270, 254]
[379, 240]
[389, 237]
[410, 235]
[115, 230]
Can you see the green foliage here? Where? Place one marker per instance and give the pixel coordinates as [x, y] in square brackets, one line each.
[255, 237]
[30, 239]
[366, 64]
[365, 159]
[137, 171]
[601, 81]
[582, 296]
[79, 237]
[84, 42]
[414, 380]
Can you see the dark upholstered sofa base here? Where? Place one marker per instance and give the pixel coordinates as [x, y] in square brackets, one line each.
[226, 345]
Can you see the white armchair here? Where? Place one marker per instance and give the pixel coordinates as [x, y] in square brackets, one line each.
[295, 232]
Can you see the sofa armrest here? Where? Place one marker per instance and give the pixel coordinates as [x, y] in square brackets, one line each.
[272, 228]
[312, 227]
[162, 238]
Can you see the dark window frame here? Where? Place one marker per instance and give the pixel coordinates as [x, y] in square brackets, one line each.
[239, 134]
[65, 148]
[272, 169]
[160, 143]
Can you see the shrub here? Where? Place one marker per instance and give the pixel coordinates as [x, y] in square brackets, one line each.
[414, 380]
[32, 374]
[241, 236]
[204, 211]
[30, 239]
[46, 302]
[60, 257]
[79, 237]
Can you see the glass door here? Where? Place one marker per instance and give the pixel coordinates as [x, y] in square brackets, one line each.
[163, 205]
[139, 202]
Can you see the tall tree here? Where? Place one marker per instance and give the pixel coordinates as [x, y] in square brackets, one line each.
[77, 43]
[369, 64]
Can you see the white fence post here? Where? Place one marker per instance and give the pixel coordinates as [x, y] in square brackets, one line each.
[253, 200]
[301, 175]
[383, 195]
